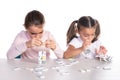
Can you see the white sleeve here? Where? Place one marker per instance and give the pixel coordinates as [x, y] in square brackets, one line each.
[97, 44]
[75, 42]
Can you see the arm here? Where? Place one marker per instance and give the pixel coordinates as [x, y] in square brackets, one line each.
[18, 47]
[54, 46]
[75, 48]
[21, 44]
[58, 51]
[72, 52]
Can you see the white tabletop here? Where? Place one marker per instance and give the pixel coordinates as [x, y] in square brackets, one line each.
[74, 69]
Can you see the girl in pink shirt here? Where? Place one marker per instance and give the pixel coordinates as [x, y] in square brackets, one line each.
[28, 43]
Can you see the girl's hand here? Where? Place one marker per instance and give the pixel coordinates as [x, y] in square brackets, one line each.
[85, 44]
[102, 50]
[33, 42]
[50, 44]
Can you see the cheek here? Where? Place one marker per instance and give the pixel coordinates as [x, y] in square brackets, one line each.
[91, 39]
[32, 36]
[40, 35]
[83, 38]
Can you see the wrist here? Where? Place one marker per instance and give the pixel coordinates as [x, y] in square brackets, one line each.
[53, 48]
[82, 48]
[28, 45]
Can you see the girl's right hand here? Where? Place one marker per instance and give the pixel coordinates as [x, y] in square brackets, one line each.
[50, 44]
[33, 42]
[85, 44]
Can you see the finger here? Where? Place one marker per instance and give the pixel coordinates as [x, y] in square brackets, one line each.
[37, 42]
[97, 51]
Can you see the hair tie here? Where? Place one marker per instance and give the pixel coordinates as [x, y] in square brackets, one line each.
[76, 21]
[75, 25]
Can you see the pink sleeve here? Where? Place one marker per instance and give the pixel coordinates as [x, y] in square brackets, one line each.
[58, 51]
[18, 46]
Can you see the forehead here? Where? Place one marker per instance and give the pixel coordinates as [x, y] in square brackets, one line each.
[88, 30]
[35, 28]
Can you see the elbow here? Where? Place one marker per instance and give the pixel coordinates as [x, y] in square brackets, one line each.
[66, 55]
[9, 56]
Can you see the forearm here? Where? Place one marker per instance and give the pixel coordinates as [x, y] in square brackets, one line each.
[58, 52]
[72, 52]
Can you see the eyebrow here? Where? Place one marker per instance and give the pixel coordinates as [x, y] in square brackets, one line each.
[36, 33]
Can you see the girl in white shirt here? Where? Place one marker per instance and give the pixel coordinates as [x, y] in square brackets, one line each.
[86, 43]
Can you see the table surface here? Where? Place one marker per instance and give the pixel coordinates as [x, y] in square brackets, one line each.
[59, 69]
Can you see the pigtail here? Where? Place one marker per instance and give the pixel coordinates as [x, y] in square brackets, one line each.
[71, 33]
[97, 32]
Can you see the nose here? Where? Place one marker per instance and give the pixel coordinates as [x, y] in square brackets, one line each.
[89, 38]
[37, 36]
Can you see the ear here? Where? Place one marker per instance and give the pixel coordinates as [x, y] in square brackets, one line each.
[24, 26]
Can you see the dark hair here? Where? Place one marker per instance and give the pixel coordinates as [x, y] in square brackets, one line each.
[97, 32]
[84, 21]
[34, 18]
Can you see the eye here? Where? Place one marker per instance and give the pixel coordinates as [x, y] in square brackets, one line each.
[86, 35]
[36, 33]
[41, 32]
[33, 33]
[93, 35]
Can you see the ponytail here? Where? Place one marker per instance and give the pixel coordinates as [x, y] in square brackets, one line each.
[97, 32]
[71, 33]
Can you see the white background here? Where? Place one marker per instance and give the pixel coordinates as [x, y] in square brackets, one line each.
[59, 14]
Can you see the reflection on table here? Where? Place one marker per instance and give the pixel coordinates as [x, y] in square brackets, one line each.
[59, 69]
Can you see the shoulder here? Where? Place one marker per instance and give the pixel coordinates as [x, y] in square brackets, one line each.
[77, 39]
[97, 42]
[47, 35]
[76, 42]
[22, 34]
[46, 32]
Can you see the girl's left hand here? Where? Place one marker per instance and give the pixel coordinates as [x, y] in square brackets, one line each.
[102, 50]
[50, 44]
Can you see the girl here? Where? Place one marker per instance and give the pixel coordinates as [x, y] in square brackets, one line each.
[86, 44]
[28, 43]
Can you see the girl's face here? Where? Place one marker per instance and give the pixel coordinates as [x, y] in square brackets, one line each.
[35, 31]
[87, 34]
